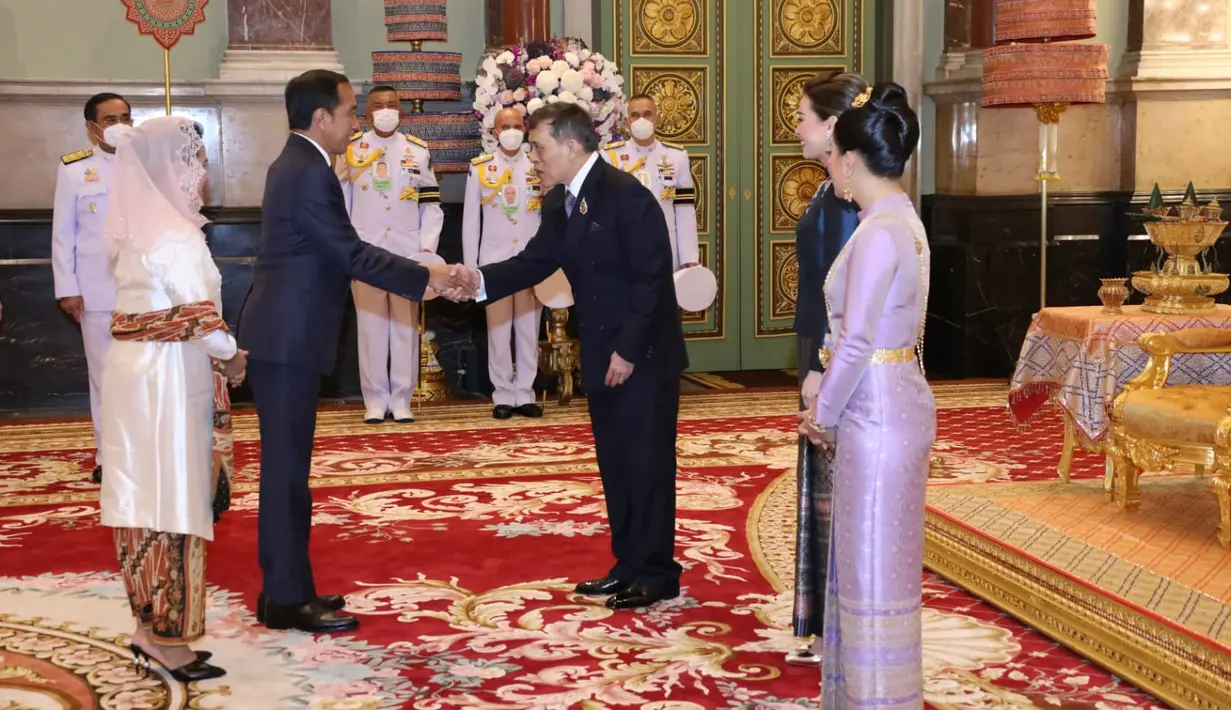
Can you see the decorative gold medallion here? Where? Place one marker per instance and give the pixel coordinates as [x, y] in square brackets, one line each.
[583, 207]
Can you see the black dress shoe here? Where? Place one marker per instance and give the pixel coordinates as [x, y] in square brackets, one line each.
[602, 587]
[502, 411]
[98, 474]
[310, 617]
[329, 602]
[639, 595]
[533, 411]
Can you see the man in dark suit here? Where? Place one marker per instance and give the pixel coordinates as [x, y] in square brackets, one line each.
[290, 323]
[608, 234]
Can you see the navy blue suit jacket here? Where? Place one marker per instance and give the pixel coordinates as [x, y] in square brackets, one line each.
[308, 254]
[818, 247]
[617, 257]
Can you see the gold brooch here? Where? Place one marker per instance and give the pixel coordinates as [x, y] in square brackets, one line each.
[862, 99]
[583, 206]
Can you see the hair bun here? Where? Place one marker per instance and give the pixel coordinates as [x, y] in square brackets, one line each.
[890, 99]
[885, 130]
[888, 93]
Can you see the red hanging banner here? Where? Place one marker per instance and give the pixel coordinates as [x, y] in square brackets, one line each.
[166, 20]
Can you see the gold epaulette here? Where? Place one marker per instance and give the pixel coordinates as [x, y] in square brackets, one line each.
[356, 137]
[76, 157]
[677, 146]
[614, 144]
[482, 159]
[416, 140]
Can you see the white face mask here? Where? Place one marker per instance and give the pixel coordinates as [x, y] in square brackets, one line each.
[642, 129]
[386, 120]
[113, 134]
[511, 138]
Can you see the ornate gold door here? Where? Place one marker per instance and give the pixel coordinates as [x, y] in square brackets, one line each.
[727, 75]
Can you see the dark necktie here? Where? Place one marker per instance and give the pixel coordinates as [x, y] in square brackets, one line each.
[569, 200]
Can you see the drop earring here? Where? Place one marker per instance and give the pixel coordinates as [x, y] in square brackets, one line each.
[846, 194]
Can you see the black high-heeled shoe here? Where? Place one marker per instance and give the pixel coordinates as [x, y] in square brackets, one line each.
[138, 652]
[197, 670]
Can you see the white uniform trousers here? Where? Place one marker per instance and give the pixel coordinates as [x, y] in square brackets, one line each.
[513, 329]
[96, 335]
[388, 347]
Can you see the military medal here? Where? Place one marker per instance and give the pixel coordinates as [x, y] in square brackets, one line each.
[93, 208]
[91, 175]
[583, 206]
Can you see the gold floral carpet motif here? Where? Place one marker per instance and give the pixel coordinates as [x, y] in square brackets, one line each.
[457, 542]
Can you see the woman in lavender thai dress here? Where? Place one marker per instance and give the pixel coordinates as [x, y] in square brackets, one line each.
[874, 408]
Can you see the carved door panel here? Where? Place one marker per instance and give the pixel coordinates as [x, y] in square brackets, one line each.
[795, 39]
[725, 74]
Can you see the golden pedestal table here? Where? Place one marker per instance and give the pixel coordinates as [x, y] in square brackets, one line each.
[1080, 358]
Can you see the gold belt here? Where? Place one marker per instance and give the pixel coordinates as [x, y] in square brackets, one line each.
[880, 356]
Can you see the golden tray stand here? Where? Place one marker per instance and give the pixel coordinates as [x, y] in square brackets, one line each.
[1182, 286]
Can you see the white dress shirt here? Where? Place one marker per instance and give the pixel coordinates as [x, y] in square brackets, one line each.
[324, 153]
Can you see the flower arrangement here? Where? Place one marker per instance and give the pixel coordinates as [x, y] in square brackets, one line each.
[526, 77]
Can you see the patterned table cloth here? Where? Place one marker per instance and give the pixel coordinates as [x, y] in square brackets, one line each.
[1080, 357]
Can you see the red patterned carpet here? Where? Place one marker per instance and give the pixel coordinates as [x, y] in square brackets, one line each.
[457, 541]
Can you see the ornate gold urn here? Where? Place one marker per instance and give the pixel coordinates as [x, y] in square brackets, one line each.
[1183, 284]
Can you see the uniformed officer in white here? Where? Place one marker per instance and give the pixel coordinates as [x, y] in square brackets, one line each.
[394, 202]
[79, 260]
[500, 217]
[664, 169]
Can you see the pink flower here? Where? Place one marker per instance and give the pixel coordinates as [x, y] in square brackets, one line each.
[587, 66]
[329, 654]
[464, 670]
[532, 68]
[594, 80]
[342, 691]
[519, 95]
[506, 97]
[521, 108]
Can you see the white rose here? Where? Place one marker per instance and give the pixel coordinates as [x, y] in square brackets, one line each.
[534, 105]
[571, 81]
[607, 72]
[553, 99]
[505, 57]
[489, 64]
[572, 59]
[546, 82]
[497, 75]
[583, 54]
[568, 97]
[587, 94]
[558, 67]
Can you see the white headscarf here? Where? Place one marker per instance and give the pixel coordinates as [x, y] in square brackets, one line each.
[156, 185]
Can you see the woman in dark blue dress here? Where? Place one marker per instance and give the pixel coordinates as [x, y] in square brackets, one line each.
[819, 236]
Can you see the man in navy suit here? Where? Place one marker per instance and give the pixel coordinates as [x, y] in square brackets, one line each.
[608, 234]
[290, 324]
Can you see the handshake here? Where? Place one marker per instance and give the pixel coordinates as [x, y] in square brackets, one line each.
[454, 281]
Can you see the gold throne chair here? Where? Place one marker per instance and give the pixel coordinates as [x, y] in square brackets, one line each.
[1154, 427]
